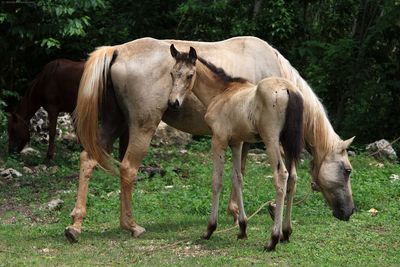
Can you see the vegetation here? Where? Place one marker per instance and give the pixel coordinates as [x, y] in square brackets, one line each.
[175, 208]
[347, 50]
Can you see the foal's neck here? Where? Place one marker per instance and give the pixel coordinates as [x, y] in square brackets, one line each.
[29, 104]
[208, 84]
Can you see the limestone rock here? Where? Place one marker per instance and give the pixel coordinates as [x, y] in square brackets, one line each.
[382, 149]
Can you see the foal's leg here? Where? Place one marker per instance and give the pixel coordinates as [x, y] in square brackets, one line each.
[139, 141]
[52, 115]
[291, 190]
[73, 231]
[280, 180]
[218, 147]
[233, 208]
[237, 182]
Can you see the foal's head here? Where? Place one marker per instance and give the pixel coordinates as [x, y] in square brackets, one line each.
[18, 133]
[332, 178]
[183, 75]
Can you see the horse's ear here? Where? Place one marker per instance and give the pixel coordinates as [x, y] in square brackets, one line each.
[173, 50]
[192, 54]
[347, 143]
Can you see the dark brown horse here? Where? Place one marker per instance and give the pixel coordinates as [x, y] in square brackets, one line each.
[56, 90]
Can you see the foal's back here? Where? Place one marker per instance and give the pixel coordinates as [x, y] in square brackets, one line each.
[244, 110]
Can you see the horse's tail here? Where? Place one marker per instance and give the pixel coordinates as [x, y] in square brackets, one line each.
[91, 90]
[291, 136]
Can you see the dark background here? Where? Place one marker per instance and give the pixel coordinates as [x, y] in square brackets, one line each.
[348, 50]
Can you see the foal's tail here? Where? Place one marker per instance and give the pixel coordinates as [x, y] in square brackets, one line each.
[91, 90]
[291, 136]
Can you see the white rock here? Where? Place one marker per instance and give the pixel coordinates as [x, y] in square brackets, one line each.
[394, 177]
[55, 204]
[382, 149]
[30, 151]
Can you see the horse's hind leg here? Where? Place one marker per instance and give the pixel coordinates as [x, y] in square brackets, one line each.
[218, 146]
[280, 174]
[52, 115]
[233, 208]
[79, 212]
[237, 182]
[139, 141]
[291, 190]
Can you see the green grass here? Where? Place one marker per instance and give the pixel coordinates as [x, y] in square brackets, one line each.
[175, 217]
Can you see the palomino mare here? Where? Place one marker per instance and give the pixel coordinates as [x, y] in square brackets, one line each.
[139, 72]
[56, 90]
[237, 111]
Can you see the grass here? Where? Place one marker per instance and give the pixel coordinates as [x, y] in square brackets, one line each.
[174, 210]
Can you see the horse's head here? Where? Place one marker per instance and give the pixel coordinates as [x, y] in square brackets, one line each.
[332, 178]
[183, 75]
[18, 133]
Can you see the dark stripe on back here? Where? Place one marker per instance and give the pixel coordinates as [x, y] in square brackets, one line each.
[220, 72]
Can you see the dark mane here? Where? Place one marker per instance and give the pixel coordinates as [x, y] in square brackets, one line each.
[221, 72]
[183, 56]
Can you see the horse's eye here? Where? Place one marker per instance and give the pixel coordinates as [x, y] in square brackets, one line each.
[347, 171]
[190, 76]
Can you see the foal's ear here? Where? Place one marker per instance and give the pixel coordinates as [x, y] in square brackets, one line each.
[173, 51]
[192, 54]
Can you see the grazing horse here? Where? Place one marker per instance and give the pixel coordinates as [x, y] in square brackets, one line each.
[237, 111]
[56, 90]
[139, 72]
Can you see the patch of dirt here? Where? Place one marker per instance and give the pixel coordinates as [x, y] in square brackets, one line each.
[24, 210]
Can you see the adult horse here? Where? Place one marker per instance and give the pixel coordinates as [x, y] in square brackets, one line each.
[139, 72]
[56, 90]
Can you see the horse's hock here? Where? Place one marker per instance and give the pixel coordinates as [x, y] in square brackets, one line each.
[165, 135]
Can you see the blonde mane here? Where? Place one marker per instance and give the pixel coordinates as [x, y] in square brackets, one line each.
[318, 131]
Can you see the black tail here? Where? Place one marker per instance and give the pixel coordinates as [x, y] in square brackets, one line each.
[292, 133]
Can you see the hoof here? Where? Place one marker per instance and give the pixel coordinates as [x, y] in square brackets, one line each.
[72, 234]
[210, 230]
[286, 235]
[242, 236]
[269, 247]
[137, 231]
[272, 243]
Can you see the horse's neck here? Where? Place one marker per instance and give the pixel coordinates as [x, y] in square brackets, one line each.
[29, 104]
[207, 84]
[319, 134]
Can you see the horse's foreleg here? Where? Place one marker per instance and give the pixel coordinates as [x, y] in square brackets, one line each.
[79, 212]
[291, 190]
[139, 141]
[218, 147]
[280, 182]
[233, 208]
[237, 183]
[52, 115]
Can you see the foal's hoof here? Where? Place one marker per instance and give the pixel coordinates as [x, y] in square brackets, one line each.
[242, 236]
[286, 235]
[72, 234]
[269, 247]
[137, 231]
[210, 230]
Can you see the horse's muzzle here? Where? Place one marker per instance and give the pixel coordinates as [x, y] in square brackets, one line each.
[173, 104]
[343, 215]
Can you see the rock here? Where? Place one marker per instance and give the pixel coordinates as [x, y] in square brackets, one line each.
[55, 204]
[394, 177]
[382, 149]
[167, 135]
[351, 153]
[39, 125]
[53, 169]
[28, 151]
[27, 170]
[257, 151]
[10, 173]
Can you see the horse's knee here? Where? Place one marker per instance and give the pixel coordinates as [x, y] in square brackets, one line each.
[128, 173]
[217, 186]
